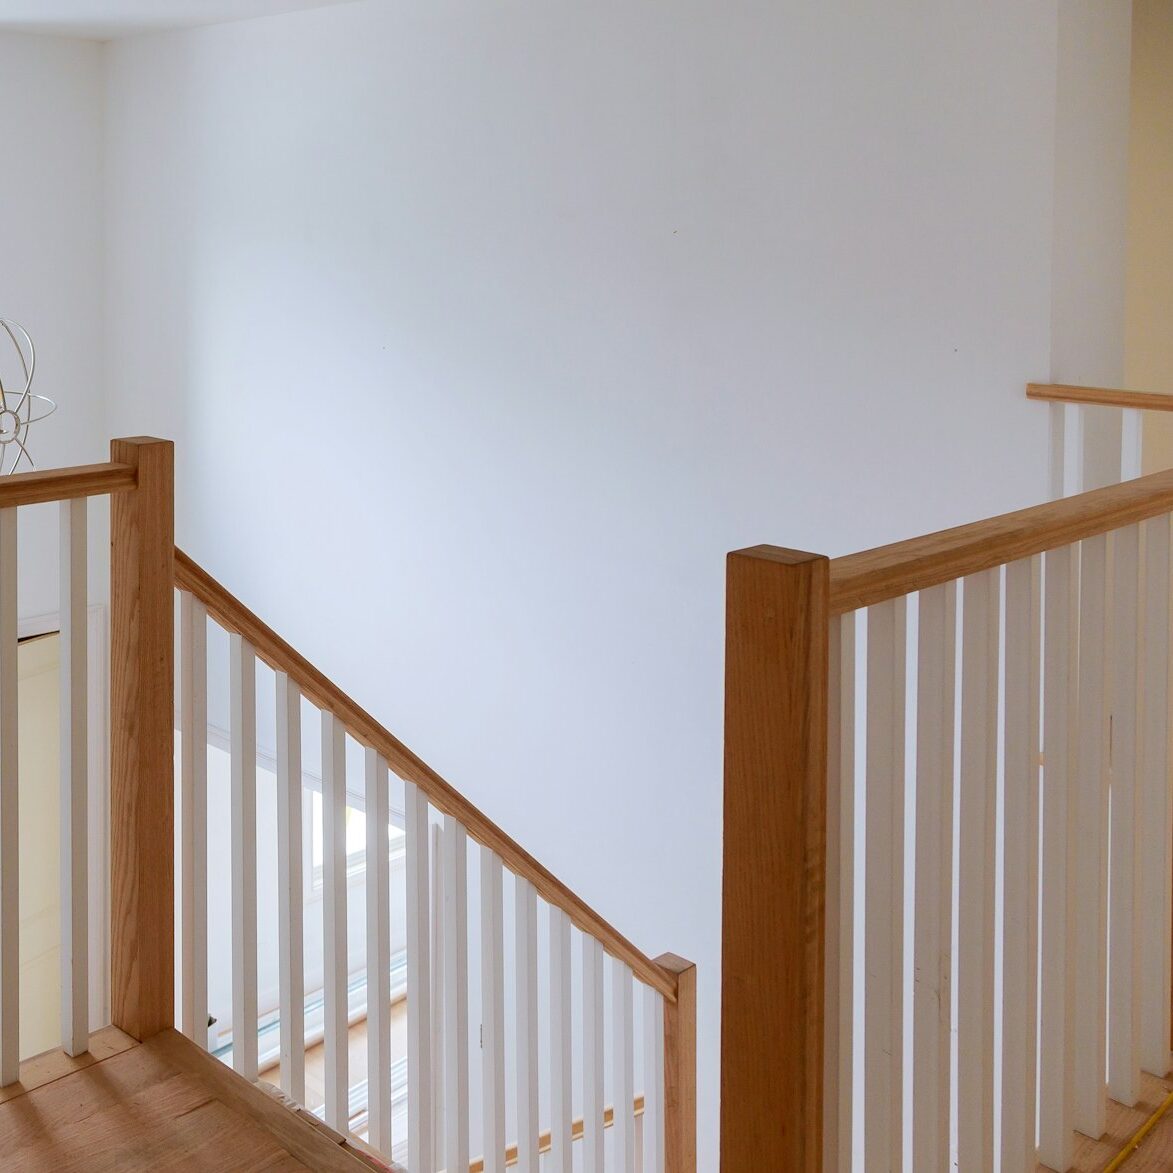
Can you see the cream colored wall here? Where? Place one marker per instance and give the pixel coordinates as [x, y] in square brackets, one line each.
[40, 952]
[1148, 332]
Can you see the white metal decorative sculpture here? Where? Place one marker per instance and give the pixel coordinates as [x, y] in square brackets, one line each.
[19, 409]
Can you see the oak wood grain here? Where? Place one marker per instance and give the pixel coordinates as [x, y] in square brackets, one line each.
[1099, 396]
[774, 884]
[161, 1105]
[680, 1068]
[234, 616]
[142, 767]
[56, 1064]
[318, 1147]
[887, 572]
[63, 484]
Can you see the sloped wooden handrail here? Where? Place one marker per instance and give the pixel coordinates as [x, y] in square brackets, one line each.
[64, 484]
[887, 572]
[233, 615]
[1100, 396]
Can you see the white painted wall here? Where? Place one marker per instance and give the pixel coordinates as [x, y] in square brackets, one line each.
[485, 330]
[1148, 338]
[1091, 214]
[51, 273]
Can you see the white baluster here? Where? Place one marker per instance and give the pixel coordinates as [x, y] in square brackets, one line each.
[561, 1111]
[622, 1067]
[9, 809]
[1123, 955]
[244, 857]
[838, 1089]
[439, 962]
[1090, 859]
[1056, 1141]
[933, 934]
[419, 1008]
[193, 685]
[290, 888]
[653, 1117]
[592, 1073]
[526, 973]
[492, 1013]
[1131, 432]
[1020, 893]
[378, 820]
[1154, 850]
[884, 913]
[975, 904]
[456, 994]
[334, 922]
[74, 755]
[1058, 413]
[1075, 449]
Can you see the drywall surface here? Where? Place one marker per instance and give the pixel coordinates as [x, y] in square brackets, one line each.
[51, 229]
[485, 330]
[1149, 321]
[1091, 215]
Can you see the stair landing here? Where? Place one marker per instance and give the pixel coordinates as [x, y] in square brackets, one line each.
[159, 1105]
[1155, 1151]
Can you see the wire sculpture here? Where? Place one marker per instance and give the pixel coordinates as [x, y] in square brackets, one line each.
[19, 410]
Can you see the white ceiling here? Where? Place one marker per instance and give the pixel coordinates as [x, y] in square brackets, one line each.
[104, 19]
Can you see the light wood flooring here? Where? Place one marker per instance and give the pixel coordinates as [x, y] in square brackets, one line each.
[1156, 1151]
[166, 1105]
[159, 1105]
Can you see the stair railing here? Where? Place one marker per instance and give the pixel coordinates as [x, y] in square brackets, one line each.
[567, 1023]
[1007, 683]
[1070, 447]
[138, 482]
[447, 838]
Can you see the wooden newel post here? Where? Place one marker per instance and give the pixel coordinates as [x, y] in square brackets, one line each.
[142, 675]
[774, 880]
[680, 1068]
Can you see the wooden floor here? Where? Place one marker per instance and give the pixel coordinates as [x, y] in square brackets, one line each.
[166, 1105]
[1156, 1151]
[159, 1105]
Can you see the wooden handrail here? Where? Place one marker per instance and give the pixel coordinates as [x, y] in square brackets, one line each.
[1100, 396]
[63, 484]
[887, 572]
[233, 615]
